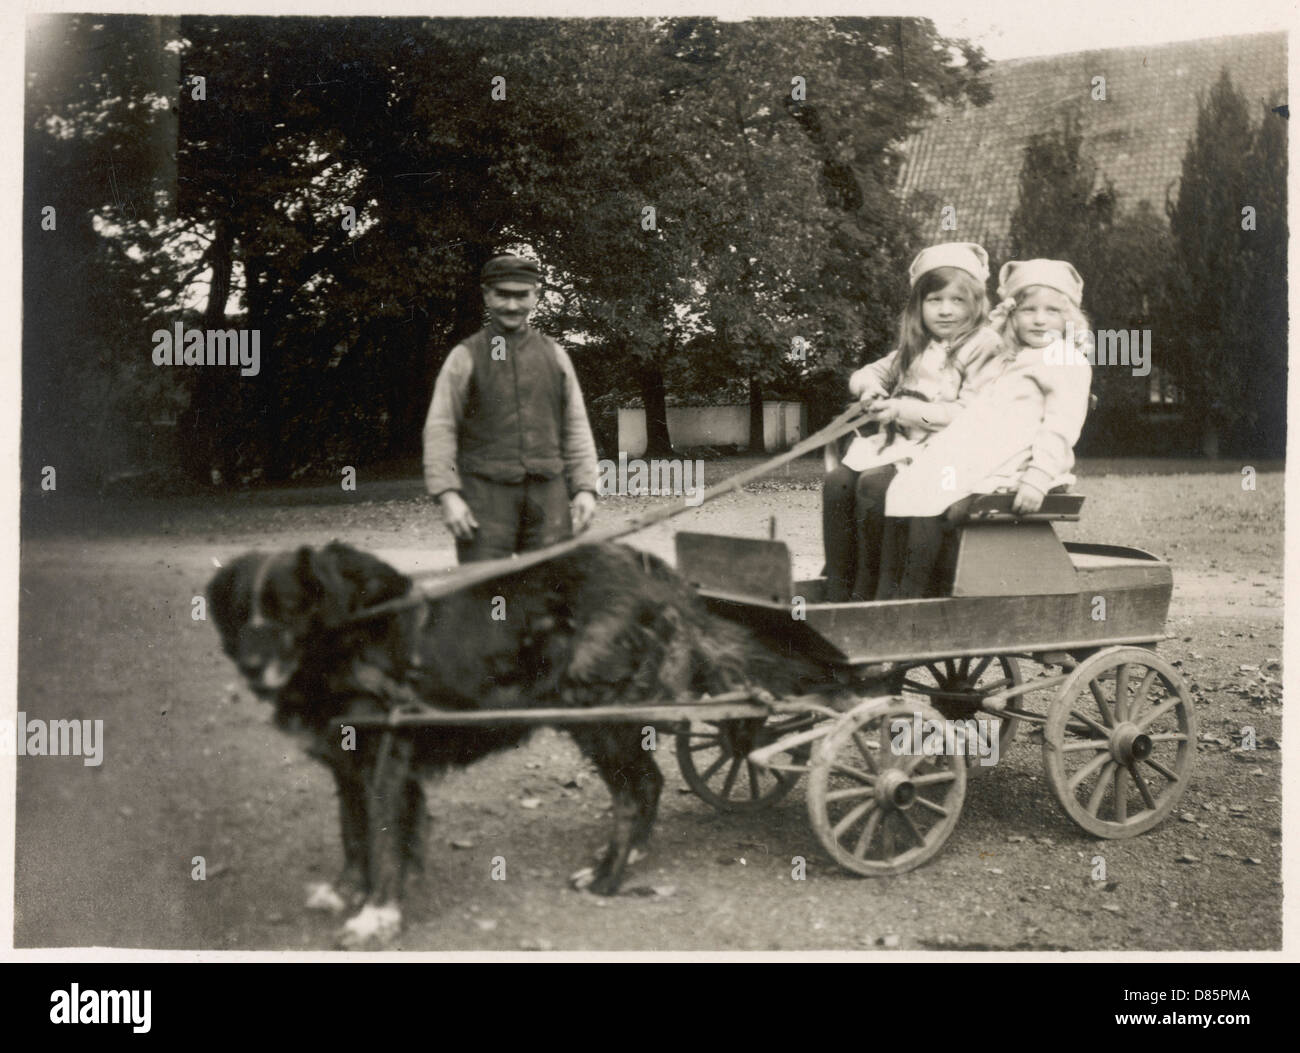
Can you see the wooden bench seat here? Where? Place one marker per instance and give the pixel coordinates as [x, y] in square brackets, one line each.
[997, 553]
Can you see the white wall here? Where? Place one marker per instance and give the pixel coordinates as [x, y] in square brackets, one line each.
[783, 426]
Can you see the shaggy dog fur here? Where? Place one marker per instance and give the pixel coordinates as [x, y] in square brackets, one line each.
[603, 625]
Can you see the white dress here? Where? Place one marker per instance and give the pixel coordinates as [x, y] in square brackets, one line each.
[1021, 427]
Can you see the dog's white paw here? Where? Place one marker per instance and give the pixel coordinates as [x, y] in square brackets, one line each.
[321, 895]
[372, 928]
[635, 855]
[582, 879]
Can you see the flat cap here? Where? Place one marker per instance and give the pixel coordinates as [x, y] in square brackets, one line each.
[511, 269]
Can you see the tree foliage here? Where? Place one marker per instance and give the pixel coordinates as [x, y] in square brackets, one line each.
[1067, 211]
[95, 166]
[774, 210]
[1227, 289]
[1060, 213]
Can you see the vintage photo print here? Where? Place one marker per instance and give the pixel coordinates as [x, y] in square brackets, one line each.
[576, 484]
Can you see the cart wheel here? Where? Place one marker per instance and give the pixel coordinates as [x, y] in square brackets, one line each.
[1120, 741]
[955, 687]
[714, 761]
[876, 812]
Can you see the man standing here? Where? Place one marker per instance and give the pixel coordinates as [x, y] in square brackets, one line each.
[508, 450]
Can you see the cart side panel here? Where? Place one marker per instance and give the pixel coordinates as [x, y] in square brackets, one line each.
[911, 630]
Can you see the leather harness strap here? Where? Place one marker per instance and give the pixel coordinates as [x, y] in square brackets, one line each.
[256, 619]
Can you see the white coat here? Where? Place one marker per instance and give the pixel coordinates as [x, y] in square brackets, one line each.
[1020, 427]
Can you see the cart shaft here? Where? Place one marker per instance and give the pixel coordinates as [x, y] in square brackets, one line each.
[734, 705]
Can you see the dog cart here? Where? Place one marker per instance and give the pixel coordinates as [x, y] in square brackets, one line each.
[1031, 630]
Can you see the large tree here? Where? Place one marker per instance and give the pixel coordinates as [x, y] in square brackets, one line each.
[1232, 340]
[1061, 210]
[1262, 304]
[1067, 211]
[767, 149]
[96, 162]
[341, 182]
[345, 167]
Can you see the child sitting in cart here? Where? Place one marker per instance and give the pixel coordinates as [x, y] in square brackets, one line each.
[944, 348]
[1017, 434]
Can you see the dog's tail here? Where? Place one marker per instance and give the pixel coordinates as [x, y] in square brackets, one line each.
[726, 656]
[659, 632]
[730, 657]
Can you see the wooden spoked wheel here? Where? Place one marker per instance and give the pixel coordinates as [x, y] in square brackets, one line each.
[714, 761]
[1120, 741]
[957, 686]
[876, 811]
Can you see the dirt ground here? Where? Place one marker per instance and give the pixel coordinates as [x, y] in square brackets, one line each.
[192, 767]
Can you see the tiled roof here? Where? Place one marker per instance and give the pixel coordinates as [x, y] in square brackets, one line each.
[970, 157]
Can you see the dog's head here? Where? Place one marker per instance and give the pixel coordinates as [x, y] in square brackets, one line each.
[271, 609]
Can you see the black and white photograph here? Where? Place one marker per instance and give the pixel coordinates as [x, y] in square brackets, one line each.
[537, 485]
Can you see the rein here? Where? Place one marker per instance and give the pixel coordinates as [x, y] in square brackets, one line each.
[467, 576]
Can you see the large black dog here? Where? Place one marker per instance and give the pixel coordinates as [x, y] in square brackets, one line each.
[603, 625]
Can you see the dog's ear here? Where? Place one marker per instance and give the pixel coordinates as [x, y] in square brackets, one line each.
[323, 589]
[314, 576]
[369, 580]
[338, 580]
[230, 597]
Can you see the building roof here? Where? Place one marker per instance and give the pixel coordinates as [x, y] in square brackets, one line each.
[970, 157]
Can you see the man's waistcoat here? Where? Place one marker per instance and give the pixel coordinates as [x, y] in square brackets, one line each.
[514, 413]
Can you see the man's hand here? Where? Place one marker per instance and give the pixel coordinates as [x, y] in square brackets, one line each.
[459, 519]
[583, 510]
[1029, 499]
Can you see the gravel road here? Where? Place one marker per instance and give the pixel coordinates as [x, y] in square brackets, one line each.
[105, 854]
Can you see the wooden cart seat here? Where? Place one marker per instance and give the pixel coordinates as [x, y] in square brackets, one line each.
[997, 553]
[1057, 506]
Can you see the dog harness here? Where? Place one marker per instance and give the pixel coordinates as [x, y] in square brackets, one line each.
[256, 620]
[259, 634]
